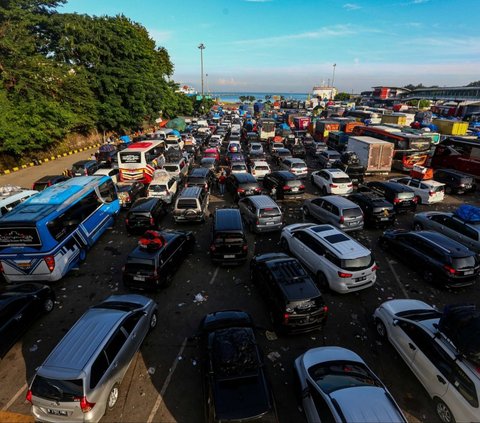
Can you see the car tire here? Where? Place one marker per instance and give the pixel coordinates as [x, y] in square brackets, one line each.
[153, 321]
[419, 199]
[322, 281]
[113, 397]
[417, 226]
[380, 328]
[48, 305]
[284, 245]
[443, 412]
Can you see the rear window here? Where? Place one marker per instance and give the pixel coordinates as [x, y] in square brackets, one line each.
[57, 390]
[40, 186]
[405, 195]
[341, 180]
[157, 188]
[298, 165]
[269, 212]
[229, 238]
[357, 263]
[437, 188]
[19, 237]
[305, 306]
[130, 157]
[261, 167]
[187, 203]
[352, 212]
[135, 265]
[78, 169]
[293, 182]
[196, 180]
[171, 168]
[463, 262]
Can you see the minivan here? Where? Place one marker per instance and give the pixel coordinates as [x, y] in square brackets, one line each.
[191, 205]
[229, 244]
[80, 379]
[11, 196]
[163, 186]
[85, 167]
[261, 214]
[145, 214]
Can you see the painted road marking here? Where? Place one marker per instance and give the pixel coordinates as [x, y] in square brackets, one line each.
[214, 275]
[15, 397]
[397, 279]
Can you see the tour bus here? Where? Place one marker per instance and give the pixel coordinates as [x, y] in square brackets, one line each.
[364, 116]
[267, 129]
[459, 154]
[409, 149]
[139, 161]
[46, 236]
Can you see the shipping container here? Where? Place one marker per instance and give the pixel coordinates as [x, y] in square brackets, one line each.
[395, 118]
[451, 127]
[301, 123]
[374, 154]
[323, 128]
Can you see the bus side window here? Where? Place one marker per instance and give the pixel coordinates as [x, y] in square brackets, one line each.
[107, 191]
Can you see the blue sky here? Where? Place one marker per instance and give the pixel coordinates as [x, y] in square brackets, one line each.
[291, 45]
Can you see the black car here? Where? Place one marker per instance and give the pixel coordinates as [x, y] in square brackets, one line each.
[20, 306]
[294, 302]
[377, 212]
[242, 185]
[200, 177]
[229, 244]
[402, 197]
[456, 182]
[152, 266]
[235, 383]
[280, 154]
[350, 164]
[283, 185]
[439, 259]
[128, 192]
[298, 151]
[256, 155]
[48, 181]
[85, 167]
[145, 214]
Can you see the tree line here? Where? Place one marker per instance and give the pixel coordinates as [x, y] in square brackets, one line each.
[64, 72]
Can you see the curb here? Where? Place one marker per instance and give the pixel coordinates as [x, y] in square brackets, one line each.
[47, 159]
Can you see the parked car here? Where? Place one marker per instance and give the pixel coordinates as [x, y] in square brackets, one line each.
[242, 185]
[234, 157]
[336, 385]
[201, 177]
[327, 158]
[450, 225]
[377, 212]
[338, 262]
[283, 185]
[426, 191]
[402, 197]
[128, 192]
[212, 153]
[335, 210]
[280, 154]
[178, 169]
[112, 172]
[234, 147]
[84, 168]
[296, 166]
[80, 379]
[228, 244]
[439, 259]
[145, 213]
[294, 302]
[261, 214]
[236, 386]
[163, 186]
[20, 307]
[191, 205]
[255, 147]
[298, 151]
[456, 182]
[275, 146]
[153, 267]
[238, 167]
[48, 181]
[413, 329]
[259, 169]
[209, 163]
[332, 181]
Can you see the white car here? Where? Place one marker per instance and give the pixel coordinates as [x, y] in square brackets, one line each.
[238, 167]
[163, 186]
[336, 385]
[427, 191]
[259, 169]
[296, 166]
[276, 146]
[332, 181]
[175, 142]
[451, 380]
[255, 147]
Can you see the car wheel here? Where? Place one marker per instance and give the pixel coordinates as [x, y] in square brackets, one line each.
[443, 412]
[380, 328]
[305, 211]
[284, 245]
[417, 226]
[153, 321]
[427, 276]
[324, 191]
[113, 396]
[322, 281]
[48, 305]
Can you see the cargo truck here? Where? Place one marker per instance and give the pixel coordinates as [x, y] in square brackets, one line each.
[374, 154]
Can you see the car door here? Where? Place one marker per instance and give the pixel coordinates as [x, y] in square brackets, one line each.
[136, 326]
[12, 323]
[315, 208]
[461, 232]
[172, 254]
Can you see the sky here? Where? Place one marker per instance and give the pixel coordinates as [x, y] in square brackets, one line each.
[289, 46]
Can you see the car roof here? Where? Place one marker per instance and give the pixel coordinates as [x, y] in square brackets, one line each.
[336, 172]
[340, 201]
[49, 178]
[447, 244]
[144, 204]
[228, 219]
[395, 186]
[199, 171]
[285, 174]
[244, 177]
[142, 253]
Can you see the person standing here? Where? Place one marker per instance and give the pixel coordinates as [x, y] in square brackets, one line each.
[222, 179]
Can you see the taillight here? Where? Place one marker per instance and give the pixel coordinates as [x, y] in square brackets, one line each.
[450, 269]
[342, 219]
[152, 221]
[396, 200]
[344, 275]
[212, 247]
[374, 268]
[430, 193]
[415, 199]
[253, 171]
[301, 187]
[85, 405]
[129, 198]
[350, 185]
[286, 316]
[240, 190]
[325, 309]
[86, 172]
[286, 188]
[126, 221]
[245, 247]
[1, 267]
[29, 395]
[50, 262]
[333, 186]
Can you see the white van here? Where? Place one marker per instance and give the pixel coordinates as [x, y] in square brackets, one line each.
[163, 186]
[11, 196]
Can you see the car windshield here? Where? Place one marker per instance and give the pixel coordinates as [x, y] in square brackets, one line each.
[261, 167]
[57, 390]
[405, 195]
[269, 212]
[187, 204]
[157, 188]
[355, 212]
[229, 238]
[359, 263]
[335, 375]
[40, 186]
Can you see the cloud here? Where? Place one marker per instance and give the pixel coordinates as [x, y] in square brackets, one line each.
[351, 6]
[230, 82]
[160, 36]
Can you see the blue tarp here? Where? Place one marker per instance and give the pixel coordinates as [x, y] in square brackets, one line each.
[284, 126]
[175, 132]
[468, 213]
[125, 138]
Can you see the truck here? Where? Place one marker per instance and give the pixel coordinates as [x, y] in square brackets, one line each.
[323, 128]
[374, 154]
[301, 122]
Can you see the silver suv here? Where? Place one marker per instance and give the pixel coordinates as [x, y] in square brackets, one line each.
[338, 261]
[80, 379]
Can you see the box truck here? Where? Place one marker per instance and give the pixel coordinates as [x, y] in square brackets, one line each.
[374, 154]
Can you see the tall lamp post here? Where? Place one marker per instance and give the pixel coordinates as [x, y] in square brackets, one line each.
[333, 78]
[201, 47]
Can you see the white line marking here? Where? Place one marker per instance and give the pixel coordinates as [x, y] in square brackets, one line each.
[15, 397]
[214, 275]
[399, 283]
[159, 400]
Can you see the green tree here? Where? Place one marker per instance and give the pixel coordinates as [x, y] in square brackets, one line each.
[474, 84]
[342, 96]
[243, 98]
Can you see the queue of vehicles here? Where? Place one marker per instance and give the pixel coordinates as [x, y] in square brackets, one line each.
[47, 235]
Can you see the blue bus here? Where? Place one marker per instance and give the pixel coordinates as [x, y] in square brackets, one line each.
[43, 238]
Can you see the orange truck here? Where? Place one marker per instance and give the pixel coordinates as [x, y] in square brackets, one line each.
[323, 128]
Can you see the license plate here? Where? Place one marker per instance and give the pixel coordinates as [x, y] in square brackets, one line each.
[294, 189]
[384, 218]
[269, 223]
[57, 412]
[468, 272]
[360, 279]
[139, 278]
[229, 256]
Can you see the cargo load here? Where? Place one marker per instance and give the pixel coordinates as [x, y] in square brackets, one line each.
[374, 154]
[468, 213]
[451, 127]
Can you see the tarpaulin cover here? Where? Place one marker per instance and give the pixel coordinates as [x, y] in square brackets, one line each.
[125, 138]
[468, 213]
[177, 123]
[106, 148]
[461, 324]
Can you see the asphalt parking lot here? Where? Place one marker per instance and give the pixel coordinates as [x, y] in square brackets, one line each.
[163, 383]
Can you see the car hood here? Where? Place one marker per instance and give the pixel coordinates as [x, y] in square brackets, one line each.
[241, 398]
[367, 404]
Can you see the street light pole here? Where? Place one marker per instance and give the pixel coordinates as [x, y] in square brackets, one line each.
[332, 97]
[201, 47]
